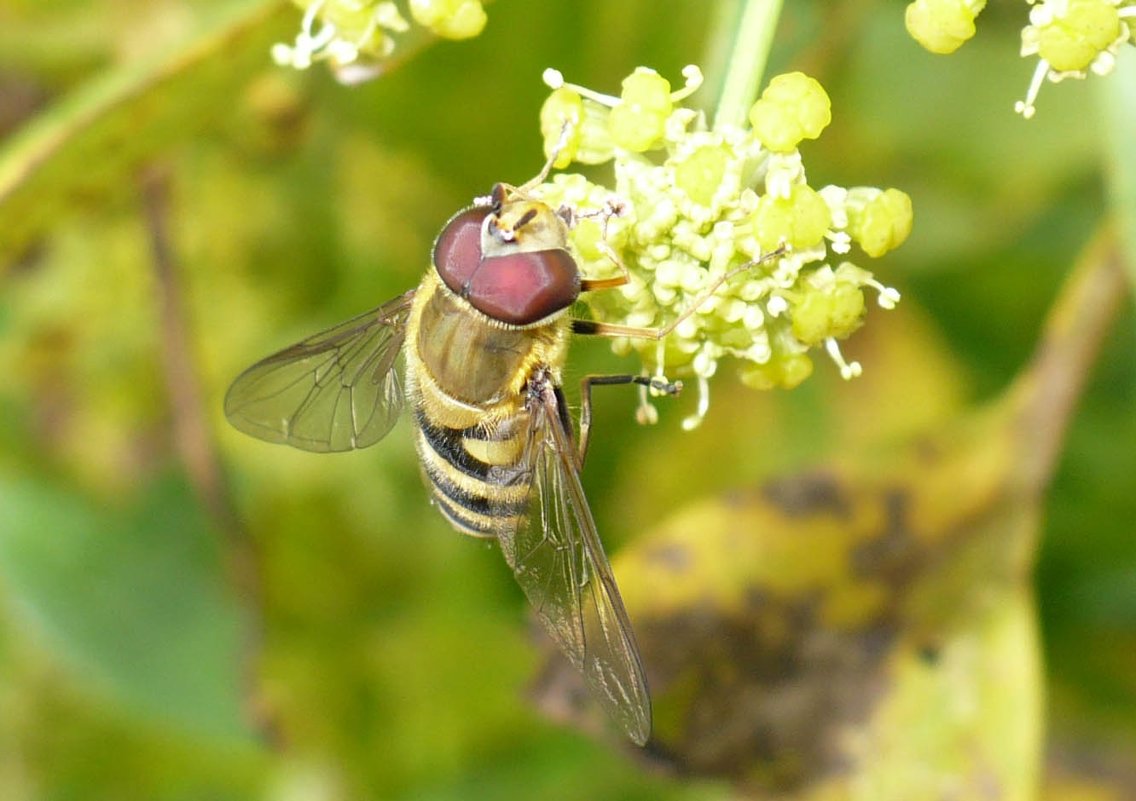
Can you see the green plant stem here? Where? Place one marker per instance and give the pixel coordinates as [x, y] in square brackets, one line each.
[749, 50]
[1117, 96]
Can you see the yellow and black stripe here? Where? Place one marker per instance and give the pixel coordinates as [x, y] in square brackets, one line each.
[478, 494]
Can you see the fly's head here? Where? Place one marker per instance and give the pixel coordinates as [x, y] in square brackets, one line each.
[509, 259]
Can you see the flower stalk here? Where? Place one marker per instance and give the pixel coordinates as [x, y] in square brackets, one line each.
[749, 51]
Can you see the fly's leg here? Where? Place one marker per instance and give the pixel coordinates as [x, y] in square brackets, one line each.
[612, 208]
[594, 328]
[656, 384]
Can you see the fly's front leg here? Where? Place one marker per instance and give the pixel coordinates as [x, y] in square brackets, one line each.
[656, 384]
[612, 208]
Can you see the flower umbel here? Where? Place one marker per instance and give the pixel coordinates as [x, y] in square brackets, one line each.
[718, 228]
[354, 36]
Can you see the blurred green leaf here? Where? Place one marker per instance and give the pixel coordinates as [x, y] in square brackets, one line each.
[132, 598]
[91, 143]
[866, 630]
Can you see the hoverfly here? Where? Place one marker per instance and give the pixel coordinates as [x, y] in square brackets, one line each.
[476, 351]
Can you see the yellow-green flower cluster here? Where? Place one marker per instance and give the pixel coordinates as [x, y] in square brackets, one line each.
[691, 205]
[353, 36]
[1071, 38]
[942, 26]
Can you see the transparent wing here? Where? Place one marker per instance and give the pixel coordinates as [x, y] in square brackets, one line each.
[338, 390]
[560, 563]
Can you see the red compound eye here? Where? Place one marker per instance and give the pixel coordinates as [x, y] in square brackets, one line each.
[518, 288]
[457, 251]
[524, 288]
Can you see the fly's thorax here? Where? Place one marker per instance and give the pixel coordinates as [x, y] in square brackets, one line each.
[467, 368]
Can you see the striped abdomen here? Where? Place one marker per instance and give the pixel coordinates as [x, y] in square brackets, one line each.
[466, 377]
[474, 473]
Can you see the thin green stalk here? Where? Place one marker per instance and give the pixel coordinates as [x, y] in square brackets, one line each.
[749, 51]
[1117, 98]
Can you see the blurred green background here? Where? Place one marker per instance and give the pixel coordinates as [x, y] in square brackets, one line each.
[164, 580]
